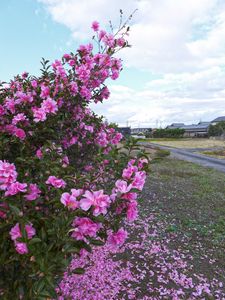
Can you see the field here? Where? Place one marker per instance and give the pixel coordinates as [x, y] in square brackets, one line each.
[188, 143]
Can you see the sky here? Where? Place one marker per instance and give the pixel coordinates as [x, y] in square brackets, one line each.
[174, 71]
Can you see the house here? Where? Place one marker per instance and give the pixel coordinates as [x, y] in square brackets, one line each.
[140, 130]
[175, 125]
[194, 130]
[124, 130]
[217, 120]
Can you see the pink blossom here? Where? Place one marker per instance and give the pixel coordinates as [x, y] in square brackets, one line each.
[15, 232]
[129, 196]
[56, 182]
[132, 210]
[49, 106]
[69, 201]
[117, 238]
[18, 118]
[98, 200]
[20, 133]
[15, 188]
[30, 230]
[45, 91]
[128, 172]
[39, 153]
[39, 114]
[142, 162]
[34, 83]
[2, 110]
[139, 180]
[33, 192]
[84, 227]
[85, 93]
[120, 42]
[21, 248]
[102, 33]
[8, 174]
[122, 187]
[95, 26]
[76, 192]
[65, 161]
[73, 88]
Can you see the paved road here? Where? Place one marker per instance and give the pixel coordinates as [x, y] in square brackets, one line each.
[187, 154]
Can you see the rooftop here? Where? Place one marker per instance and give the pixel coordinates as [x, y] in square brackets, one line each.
[219, 119]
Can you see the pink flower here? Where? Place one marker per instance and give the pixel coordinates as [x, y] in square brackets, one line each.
[129, 196]
[132, 211]
[30, 230]
[117, 238]
[139, 180]
[15, 232]
[49, 106]
[76, 192]
[33, 192]
[98, 200]
[34, 83]
[39, 114]
[21, 248]
[15, 188]
[39, 153]
[120, 42]
[84, 227]
[18, 118]
[128, 172]
[8, 174]
[95, 26]
[142, 162]
[45, 91]
[20, 133]
[69, 201]
[56, 182]
[121, 186]
[102, 33]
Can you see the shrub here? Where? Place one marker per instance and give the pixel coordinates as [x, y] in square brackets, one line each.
[64, 184]
[217, 130]
[168, 133]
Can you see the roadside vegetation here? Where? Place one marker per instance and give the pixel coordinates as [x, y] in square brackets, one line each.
[216, 153]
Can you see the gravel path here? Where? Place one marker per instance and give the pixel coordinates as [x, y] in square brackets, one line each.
[188, 155]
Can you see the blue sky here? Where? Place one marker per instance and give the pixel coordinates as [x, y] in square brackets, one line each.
[175, 70]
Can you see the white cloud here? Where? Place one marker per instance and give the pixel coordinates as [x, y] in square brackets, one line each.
[183, 41]
[150, 107]
[164, 33]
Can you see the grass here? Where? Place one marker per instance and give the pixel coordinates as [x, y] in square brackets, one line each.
[183, 214]
[216, 153]
[188, 143]
[194, 197]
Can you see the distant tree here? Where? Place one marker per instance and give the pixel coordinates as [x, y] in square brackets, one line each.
[168, 133]
[113, 125]
[217, 130]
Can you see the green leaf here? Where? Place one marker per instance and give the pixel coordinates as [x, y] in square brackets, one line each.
[34, 241]
[14, 209]
[79, 271]
[97, 242]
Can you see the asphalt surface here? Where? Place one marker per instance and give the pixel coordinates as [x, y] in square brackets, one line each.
[188, 155]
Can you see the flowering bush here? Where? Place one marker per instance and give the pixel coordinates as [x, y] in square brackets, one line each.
[64, 183]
